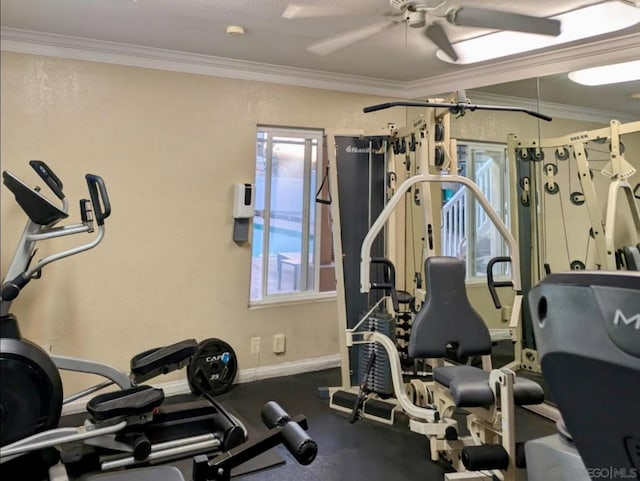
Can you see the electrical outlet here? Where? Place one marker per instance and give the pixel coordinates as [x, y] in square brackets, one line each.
[255, 345]
[278, 343]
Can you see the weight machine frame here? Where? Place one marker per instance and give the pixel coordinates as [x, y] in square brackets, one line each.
[618, 170]
[425, 418]
[603, 228]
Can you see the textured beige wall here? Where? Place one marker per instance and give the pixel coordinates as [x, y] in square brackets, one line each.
[169, 146]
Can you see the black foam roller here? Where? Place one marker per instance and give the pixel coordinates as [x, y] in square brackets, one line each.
[487, 456]
[299, 443]
[273, 415]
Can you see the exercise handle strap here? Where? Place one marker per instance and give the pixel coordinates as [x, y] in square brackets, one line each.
[324, 179]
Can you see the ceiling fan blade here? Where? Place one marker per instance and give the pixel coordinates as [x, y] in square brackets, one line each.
[494, 19]
[437, 35]
[298, 10]
[332, 44]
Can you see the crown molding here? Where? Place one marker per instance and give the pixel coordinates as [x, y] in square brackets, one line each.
[614, 50]
[608, 51]
[552, 109]
[53, 45]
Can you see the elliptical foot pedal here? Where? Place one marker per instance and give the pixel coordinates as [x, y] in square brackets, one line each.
[162, 360]
[128, 402]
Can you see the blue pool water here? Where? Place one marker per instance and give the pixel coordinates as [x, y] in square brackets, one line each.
[280, 240]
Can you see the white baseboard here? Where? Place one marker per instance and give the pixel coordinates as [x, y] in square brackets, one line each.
[288, 368]
[181, 386]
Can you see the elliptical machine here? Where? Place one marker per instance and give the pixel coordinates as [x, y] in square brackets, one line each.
[31, 395]
[129, 426]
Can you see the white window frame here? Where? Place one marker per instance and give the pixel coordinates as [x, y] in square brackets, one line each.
[470, 259]
[266, 298]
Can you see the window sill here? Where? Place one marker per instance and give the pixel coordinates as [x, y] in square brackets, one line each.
[293, 299]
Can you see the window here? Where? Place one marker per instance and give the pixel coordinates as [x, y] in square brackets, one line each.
[291, 246]
[467, 231]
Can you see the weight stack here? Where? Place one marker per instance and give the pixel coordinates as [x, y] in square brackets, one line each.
[379, 379]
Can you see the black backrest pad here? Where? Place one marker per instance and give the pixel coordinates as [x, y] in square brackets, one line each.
[587, 328]
[446, 317]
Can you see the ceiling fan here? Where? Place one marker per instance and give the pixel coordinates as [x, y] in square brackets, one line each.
[426, 15]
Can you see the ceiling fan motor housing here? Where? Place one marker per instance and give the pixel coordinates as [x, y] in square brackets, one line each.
[416, 19]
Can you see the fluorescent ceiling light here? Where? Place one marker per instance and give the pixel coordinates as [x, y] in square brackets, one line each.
[576, 25]
[608, 74]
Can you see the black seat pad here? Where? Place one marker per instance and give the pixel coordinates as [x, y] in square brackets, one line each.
[469, 387]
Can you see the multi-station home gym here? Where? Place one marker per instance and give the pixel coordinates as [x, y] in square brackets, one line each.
[320, 240]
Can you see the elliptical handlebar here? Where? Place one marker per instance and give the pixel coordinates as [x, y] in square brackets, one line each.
[20, 273]
[99, 198]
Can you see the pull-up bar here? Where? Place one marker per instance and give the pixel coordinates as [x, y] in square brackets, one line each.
[459, 108]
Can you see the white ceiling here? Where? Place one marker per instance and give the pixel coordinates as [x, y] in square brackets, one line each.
[198, 26]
